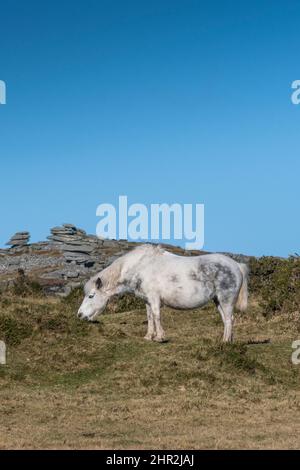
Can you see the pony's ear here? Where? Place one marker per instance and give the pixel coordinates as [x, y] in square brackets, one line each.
[98, 283]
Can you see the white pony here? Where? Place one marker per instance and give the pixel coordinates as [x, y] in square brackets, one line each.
[162, 278]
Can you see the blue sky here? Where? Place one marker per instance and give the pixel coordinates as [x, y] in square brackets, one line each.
[164, 101]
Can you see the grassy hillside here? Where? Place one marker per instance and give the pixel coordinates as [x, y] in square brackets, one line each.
[72, 384]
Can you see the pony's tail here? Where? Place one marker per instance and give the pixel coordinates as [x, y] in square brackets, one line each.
[242, 300]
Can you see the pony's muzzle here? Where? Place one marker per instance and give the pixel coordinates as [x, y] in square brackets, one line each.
[82, 316]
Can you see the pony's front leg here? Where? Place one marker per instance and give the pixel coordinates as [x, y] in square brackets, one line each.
[151, 330]
[160, 334]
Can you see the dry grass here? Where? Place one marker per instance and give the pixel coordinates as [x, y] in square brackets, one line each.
[70, 384]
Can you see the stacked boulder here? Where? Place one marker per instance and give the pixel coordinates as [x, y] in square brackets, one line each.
[19, 239]
[76, 245]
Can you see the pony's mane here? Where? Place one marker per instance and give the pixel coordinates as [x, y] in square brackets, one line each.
[111, 274]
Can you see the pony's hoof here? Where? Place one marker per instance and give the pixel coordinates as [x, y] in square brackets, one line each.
[148, 337]
[227, 340]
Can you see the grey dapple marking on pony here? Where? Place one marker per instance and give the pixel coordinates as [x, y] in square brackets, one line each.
[162, 278]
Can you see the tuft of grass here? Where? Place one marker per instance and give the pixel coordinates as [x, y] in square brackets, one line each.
[24, 286]
[14, 331]
[235, 356]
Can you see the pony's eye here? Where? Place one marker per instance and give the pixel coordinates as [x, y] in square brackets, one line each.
[91, 296]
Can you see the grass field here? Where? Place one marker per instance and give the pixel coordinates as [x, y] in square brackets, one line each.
[71, 384]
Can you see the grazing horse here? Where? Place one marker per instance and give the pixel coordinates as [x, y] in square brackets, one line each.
[162, 278]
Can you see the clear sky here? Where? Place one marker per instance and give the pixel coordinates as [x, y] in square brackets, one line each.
[163, 101]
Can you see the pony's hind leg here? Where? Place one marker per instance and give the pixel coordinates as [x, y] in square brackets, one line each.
[151, 330]
[226, 311]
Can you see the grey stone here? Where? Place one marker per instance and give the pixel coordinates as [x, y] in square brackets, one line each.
[57, 239]
[110, 243]
[19, 239]
[68, 227]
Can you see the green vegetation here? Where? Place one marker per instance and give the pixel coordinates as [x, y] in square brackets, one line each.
[276, 282]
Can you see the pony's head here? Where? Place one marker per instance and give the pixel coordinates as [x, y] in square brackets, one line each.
[95, 300]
